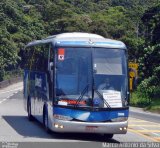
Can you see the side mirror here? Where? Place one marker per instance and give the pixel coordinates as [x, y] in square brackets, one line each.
[94, 71]
[51, 65]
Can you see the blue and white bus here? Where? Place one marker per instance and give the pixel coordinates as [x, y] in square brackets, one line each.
[77, 82]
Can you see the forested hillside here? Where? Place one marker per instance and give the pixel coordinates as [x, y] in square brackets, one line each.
[136, 22]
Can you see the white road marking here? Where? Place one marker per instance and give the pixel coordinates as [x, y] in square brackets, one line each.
[143, 128]
[156, 134]
[151, 132]
[3, 100]
[9, 95]
[11, 90]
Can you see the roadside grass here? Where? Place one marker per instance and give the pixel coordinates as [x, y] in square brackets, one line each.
[152, 105]
[7, 75]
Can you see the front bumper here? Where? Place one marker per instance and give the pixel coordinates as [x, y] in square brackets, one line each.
[90, 127]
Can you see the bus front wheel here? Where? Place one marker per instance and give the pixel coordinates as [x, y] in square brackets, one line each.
[108, 136]
[45, 121]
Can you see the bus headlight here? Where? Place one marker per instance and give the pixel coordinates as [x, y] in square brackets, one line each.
[119, 119]
[56, 125]
[61, 117]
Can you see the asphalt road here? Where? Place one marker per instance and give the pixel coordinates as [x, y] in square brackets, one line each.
[15, 127]
[139, 113]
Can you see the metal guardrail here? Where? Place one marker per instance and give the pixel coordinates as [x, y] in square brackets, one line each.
[6, 83]
[11, 77]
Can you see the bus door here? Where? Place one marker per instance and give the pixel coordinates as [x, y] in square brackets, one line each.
[41, 79]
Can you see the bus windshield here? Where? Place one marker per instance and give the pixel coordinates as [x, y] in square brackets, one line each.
[91, 77]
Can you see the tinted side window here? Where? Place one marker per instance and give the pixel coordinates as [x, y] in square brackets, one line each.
[37, 57]
[41, 57]
[28, 56]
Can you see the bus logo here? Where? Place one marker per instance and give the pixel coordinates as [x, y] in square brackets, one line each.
[38, 82]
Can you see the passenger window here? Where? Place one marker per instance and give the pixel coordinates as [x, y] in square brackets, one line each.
[37, 57]
[41, 56]
[28, 57]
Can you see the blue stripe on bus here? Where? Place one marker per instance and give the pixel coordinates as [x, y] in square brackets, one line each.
[90, 116]
[72, 43]
[93, 43]
[109, 43]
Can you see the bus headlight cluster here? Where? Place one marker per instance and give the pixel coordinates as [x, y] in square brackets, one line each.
[58, 125]
[122, 128]
[61, 117]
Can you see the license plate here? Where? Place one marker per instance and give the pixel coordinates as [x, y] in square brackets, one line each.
[91, 128]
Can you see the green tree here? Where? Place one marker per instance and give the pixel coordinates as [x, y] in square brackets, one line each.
[149, 62]
[151, 19]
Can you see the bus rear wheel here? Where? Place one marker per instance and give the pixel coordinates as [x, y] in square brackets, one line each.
[30, 117]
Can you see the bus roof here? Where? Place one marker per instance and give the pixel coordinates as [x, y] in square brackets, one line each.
[80, 39]
[75, 35]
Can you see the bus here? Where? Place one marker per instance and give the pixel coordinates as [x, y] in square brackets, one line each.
[77, 83]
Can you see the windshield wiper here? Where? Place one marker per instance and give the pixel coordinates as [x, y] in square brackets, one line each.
[99, 94]
[81, 96]
[93, 89]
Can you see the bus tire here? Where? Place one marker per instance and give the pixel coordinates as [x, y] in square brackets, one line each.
[30, 117]
[45, 121]
[108, 136]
